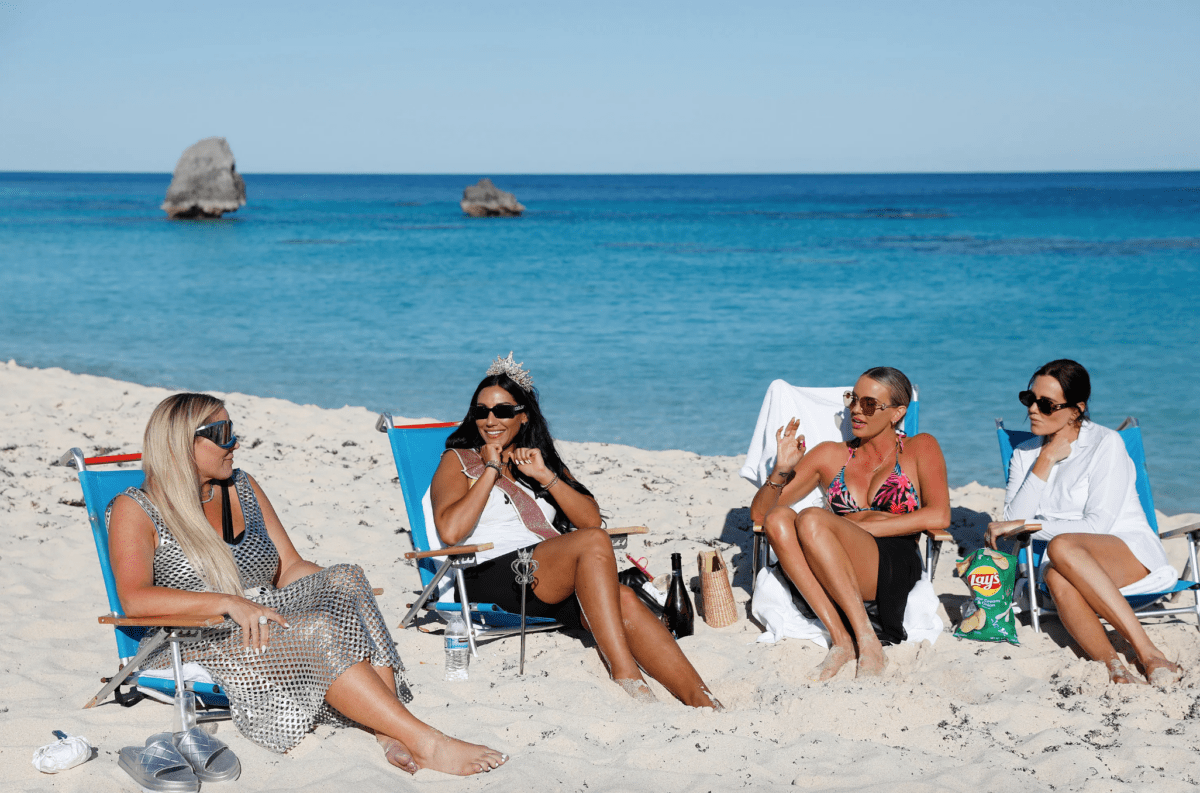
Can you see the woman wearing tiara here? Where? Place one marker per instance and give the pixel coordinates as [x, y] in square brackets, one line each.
[300, 644]
[847, 554]
[501, 481]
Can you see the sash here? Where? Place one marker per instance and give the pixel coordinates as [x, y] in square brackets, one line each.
[527, 509]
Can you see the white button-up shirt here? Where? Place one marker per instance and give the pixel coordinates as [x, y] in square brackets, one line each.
[1093, 490]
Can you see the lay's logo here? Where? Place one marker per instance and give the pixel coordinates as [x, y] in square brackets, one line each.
[984, 580]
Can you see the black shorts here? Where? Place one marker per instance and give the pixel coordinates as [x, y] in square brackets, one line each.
[494, 581]
[899, 569]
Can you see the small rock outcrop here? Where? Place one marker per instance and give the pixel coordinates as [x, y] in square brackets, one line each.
[206, 183]
[484, 200]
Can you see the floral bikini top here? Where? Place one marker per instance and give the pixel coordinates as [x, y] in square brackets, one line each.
[896, 495]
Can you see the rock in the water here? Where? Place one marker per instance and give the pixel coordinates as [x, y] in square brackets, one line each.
[483, 199]
[206, 183]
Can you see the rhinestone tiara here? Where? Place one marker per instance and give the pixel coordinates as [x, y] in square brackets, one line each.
[513, 369]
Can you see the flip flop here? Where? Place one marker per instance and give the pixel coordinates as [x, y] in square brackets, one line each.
[209, 757]
[158, 767]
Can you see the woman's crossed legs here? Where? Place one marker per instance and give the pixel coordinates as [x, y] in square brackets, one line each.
[627, 633]
[831, 561]
[1085, 577]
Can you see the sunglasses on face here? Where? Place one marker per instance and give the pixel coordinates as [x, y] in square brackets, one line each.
[480, 412]
[219, 432]
[1044, 405]
[869, 404]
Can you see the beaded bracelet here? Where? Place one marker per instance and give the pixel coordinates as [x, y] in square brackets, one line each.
[552, 483]
[495, 465]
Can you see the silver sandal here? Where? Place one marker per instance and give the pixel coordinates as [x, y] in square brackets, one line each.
[210, 758]
[158, 767]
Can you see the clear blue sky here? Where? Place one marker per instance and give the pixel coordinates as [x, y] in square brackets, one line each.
[612, 87]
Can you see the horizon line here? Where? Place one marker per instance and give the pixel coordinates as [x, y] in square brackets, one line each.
[634, 173]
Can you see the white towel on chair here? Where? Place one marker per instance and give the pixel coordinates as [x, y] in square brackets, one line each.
[1159, 580]
[822, 418]
[774, 608]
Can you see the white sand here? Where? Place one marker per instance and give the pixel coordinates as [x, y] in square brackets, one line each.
[956, 716]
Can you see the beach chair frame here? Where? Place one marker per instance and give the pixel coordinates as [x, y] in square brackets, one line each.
[99, 488]
[417, 450]
[1030, 550]
[761, 551]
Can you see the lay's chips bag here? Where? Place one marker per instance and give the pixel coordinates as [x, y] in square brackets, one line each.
[991, 577]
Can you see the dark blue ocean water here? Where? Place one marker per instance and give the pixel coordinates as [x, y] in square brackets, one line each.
[652, 310]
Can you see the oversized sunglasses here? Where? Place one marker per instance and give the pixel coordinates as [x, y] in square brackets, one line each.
[480, 412]
[1044, 405]
[219, 432]
[869, 404]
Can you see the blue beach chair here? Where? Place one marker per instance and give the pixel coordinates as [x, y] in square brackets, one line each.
[1030, 554]
[417, 449]
[761, 552]
[100, 488]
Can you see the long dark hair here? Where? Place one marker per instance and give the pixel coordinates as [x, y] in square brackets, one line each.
[533, 434]
[1074, 380]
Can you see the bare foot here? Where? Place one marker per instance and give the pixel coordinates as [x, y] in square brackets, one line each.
[1161, 672]
[837, 657]
[637, 688]
[871, 661]
[397, 753]
[1119, 673]
[451, 756]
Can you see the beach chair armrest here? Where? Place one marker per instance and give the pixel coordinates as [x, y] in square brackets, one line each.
[758, 529]
[1182, 530]
[457, 550]
[165, 621]
[623, 530]
[1020, 534]
[940, 535]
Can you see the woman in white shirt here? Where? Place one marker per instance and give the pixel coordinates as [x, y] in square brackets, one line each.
[1075, 482]
[501, 481]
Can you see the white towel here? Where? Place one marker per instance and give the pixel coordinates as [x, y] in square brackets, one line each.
[192, 673]
[773, 607]
[822, 418]
[1159, 580]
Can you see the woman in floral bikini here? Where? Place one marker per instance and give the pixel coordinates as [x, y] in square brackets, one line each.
[849, 554]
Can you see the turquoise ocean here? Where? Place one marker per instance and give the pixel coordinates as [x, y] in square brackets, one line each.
[652, 310]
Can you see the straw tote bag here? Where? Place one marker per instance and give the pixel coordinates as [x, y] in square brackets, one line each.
[719, 608]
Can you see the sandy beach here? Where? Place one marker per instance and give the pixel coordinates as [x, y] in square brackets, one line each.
[957, 715]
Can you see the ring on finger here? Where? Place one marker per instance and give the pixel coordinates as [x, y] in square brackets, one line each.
[262, 620]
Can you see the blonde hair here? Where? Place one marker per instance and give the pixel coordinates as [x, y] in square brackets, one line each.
[173, 485]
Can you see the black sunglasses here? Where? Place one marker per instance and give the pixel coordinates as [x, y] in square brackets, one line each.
[869, 404]
[1044, 405]
[219, 432]
[480, 412]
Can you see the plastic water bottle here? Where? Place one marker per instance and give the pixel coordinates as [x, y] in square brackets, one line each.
[458, 650]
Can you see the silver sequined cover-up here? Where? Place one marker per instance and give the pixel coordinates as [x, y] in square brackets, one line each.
[276, 698]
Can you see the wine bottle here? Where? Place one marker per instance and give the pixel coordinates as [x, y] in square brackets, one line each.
[678, 614]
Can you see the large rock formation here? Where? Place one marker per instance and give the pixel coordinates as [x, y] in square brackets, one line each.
[206, 183]
[483, 199]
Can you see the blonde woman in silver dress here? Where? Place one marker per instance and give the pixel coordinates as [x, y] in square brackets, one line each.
[300, 644]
